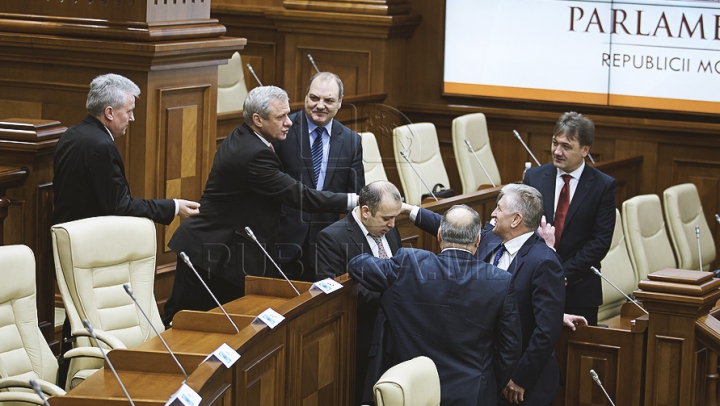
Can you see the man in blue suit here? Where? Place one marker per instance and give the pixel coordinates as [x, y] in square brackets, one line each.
[458, 311]
[579, 201]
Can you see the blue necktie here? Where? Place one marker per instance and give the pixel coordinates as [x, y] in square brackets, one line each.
[317, 153]
[499, 253]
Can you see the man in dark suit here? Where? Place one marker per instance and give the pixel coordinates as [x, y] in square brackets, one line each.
[337, 156]
[369, 228]
[458, 311]
[246, 188]
[579, 201]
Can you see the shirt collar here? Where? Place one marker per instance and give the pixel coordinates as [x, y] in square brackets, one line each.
[357, 220]
[312, 126]
[267, 144]
[514, 245]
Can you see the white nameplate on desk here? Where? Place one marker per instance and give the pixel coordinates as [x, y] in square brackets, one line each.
[326, 285]
[224, 354]
[269, 317]
[184, 396]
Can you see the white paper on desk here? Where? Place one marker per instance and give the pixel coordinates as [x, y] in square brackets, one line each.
[224, 354]
[269, 317]
[184, 396]
[326, 285]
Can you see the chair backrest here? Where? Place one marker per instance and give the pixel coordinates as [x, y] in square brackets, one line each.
[473, 127]
[420, 144]
[683, 211]
[647, 241]
[372, 160]
[24, 353]
[415, 382]
[616, 266]
[94, 257]
[232, 90]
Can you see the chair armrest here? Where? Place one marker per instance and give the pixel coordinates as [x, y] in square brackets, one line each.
[26, 397]
[15, 382]
[107, 338]
[88, 352]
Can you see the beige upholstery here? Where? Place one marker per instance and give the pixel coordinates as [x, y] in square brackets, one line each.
[94, 257]
[647, 242]
[473, 127]
[410, 383]
[372, 160]
[24, 353]
[683, 211]
[420, 144]
[232, 90]
[617, 268]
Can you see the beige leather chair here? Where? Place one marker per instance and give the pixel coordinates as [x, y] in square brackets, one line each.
[232, 90]
[420, 144]
[94, 257]
[473, 127]
[648, 244]
[372, 160]
[410, 383]
[683, 211]
[24, 353]
[617, 268]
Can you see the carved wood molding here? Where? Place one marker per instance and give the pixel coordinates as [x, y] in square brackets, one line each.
[375, 7]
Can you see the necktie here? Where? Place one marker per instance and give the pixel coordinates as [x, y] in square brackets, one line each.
[317, 153]
[381, 248]
[272, 148]
[499, 254]
[562, 208]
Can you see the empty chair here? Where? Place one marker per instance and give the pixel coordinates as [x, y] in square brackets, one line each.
[94, 257]
[372, 160]
[683, 211]
[617, 268]
[231, 85]
[473, 127]
[419, 143]
[415, 382]
[648, 244]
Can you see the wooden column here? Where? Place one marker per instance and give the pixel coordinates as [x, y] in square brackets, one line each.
[675, 364]
[10, 177]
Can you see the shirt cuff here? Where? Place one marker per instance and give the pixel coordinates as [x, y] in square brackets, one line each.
[177, 206]
[413, 213]
[352, 201]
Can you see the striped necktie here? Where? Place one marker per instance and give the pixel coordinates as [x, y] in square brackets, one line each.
[317, 153]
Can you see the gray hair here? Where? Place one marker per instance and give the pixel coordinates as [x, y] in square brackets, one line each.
[373, 193]
[460, 225]
[525, 200]
[327, 76]
[575, 126]
[109, 90]
[259, 99]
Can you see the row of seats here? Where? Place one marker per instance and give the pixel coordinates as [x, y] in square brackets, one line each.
[649, 237]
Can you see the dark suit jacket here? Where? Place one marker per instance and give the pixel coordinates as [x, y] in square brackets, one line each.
[540, 290]
[456, 310]
[89, 179]
[587, 232]
[345, 174]
[246, 188]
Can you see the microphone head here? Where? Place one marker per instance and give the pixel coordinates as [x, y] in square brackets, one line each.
[592, 268]
[517, 134]
[185, 258]
[467, 142]
[697, 231]
[36, 387]
[717, 218]
[128, 289]
[250, 233]
[88, 326]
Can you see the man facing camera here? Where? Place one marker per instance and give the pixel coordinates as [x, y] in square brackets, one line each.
[324, 155]
[245, 189]
[453, 308]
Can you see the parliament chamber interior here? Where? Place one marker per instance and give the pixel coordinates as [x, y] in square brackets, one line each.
[430, 109]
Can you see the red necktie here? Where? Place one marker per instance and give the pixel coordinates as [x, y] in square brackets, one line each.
[562, 208]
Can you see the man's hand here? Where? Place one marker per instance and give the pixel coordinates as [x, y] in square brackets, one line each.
[571, 320]
[547, 232]
[186, 208]
[514, 393]
[406, 208]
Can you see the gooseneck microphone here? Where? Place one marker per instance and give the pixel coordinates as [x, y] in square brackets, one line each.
[39, 392]
[618, 289]
[717, 218]
[596, 378]
[129, 291]
[312, 61]
[90, 330]
[252, 235]
[402, 153]
[467, 142]
[252, 71]
[697, 236]
[189, 264]
[517, 135]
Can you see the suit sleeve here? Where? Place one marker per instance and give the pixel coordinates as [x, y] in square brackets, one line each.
[113, 193]
[428, 221]
[594, 250]
[508, 339]
[357, 169]
[332, 256]
[375, 274]
[548, 301]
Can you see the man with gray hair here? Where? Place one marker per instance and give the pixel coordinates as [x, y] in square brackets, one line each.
[453, 308]
[245, 189]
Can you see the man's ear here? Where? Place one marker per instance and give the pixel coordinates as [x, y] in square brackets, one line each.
[517, 220]
[585, 150]
[257, 120]
[438, 237]
[109, 113]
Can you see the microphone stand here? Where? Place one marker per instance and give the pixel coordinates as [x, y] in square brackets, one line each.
[517, 135]
[596, 378]
[250, 68]
[39, 391]
[252, 235]
[618, 289]
[697, 235]
[90, 330]
[312, 61]
[478, 160]
[402, 153]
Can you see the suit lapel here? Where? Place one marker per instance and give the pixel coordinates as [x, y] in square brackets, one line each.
[336, 141]
[303, 147]
[548, 189]
[517, 263]
[356, 235]
[584, 185]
